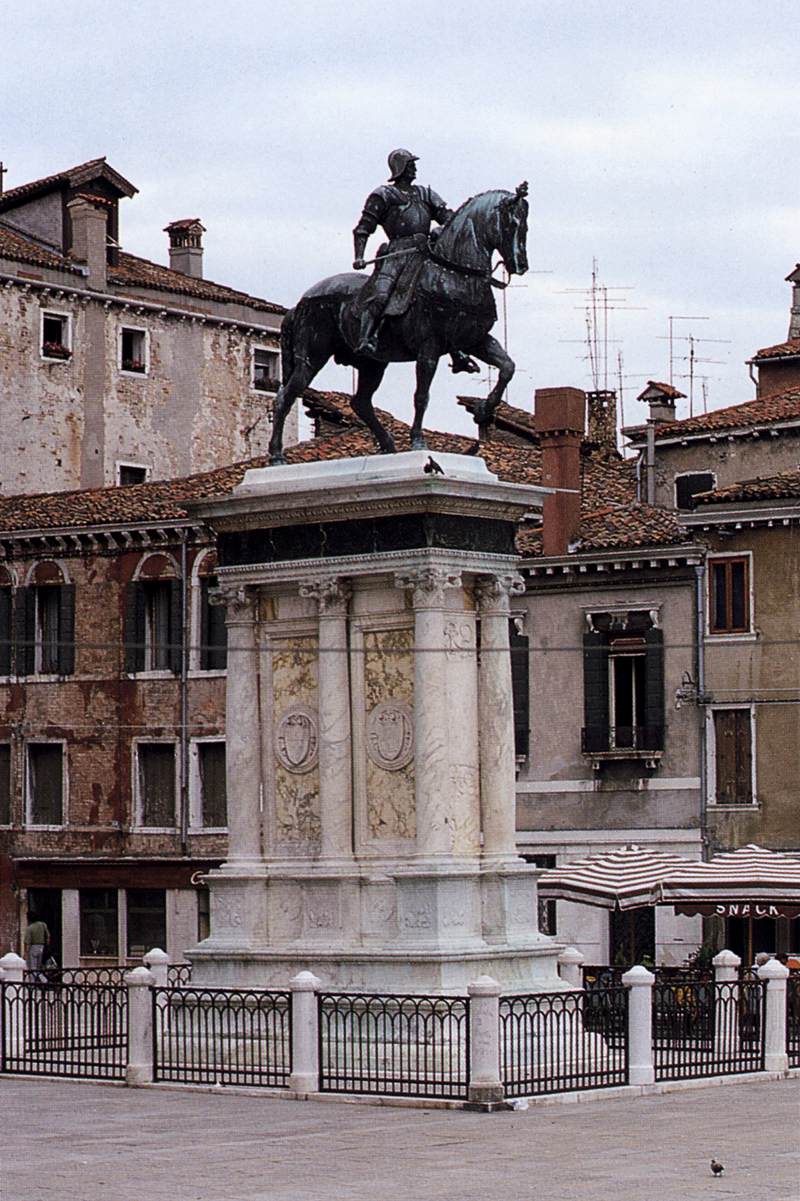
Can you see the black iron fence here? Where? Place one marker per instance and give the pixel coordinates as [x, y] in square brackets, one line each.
[76, 975]
[64, 1029]
[558, 1042]
[394, 1045]
[707, 1029]
[793, 1019]
[179, 974]
[222, 1036]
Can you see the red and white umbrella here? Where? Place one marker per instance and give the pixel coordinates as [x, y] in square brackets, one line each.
[623, 879]
[750, 882]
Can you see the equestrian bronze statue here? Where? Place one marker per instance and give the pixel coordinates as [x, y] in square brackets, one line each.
[430, 295]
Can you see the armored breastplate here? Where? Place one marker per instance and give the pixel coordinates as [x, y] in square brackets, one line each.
[403, 220]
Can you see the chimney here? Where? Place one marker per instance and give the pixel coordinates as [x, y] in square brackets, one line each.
[559, 418]
[88, 216]
[660, 398]
[601, 419]
[186, 246]
[794, 318]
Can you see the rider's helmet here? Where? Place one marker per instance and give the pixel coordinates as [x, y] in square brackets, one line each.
[398, 161]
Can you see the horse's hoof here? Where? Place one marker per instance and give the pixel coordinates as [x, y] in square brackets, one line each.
[277, 460]
[389, 449]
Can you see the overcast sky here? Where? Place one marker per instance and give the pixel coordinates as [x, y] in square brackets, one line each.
[660, 140]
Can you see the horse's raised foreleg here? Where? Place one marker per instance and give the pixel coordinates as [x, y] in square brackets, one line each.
[427, 362]
[490, 351]
[287, 394]
[370, 374]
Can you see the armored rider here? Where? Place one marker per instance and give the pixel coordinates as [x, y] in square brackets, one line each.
[404, 210]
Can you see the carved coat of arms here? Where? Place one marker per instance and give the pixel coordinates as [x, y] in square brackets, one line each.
[297, 738]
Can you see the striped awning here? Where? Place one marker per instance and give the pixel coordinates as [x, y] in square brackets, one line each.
[751, 877]
[622, 879]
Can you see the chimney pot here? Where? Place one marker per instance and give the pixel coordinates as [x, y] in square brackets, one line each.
[89, 223]
[186, 246]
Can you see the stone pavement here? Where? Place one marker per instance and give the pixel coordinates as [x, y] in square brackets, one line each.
[84, 1142]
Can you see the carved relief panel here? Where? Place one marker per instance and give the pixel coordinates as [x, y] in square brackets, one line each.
[296, 738]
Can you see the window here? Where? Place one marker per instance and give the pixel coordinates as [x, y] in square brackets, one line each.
[45, 621]
[520, 688]
[156, 784]
[147, 920]
[55, 336]
[98, 921]
[154, 625]
[5, 784]
[732, 756]
[45, 783]
[687, 487]
[623, 673]
[729, 594]
[266, 370]
[209, 799]
[6, 623]
[213, 631]
[133, 351]
[131, 473]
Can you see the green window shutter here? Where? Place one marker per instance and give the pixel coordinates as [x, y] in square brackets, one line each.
[520, 689]
[134, 627]
[175, 626]
[595, 691]
[66, 630]
[6, 633]
[654, 690]
[25, 631]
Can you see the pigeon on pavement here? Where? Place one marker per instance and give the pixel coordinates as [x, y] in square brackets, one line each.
[717, 1168]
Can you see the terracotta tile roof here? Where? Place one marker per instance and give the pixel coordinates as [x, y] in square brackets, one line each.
[22, 250]
[72, 176]
[783, 486]
[507, 416]
[781, 350]
[615, 527]
[765, 410]
[141, 273]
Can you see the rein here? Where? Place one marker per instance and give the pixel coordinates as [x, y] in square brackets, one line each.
[480, 272]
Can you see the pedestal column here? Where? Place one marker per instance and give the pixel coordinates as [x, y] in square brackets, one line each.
[496, 715]
[242, 726]
[335, 767]
[432, 784]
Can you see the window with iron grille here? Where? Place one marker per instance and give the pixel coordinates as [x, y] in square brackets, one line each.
[729, 594]
[623, 675]
[155, 779]
[45, 780]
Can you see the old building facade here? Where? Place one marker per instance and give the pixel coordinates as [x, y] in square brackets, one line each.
[115, 369]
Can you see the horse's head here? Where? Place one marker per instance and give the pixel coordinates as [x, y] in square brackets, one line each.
[513, 231]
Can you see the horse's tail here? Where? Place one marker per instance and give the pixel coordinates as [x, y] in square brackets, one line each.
[287, 346]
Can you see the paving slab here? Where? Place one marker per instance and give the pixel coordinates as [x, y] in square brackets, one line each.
[64, 1141]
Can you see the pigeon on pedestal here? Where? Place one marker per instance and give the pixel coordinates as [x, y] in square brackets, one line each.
[717, 1168]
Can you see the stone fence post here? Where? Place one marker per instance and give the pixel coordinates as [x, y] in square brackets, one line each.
[304, 1076]
[140, 1027]
[12, 968]
[485, 1083]
[776, 1057]
[726, 1003]
[158, 961]
[570, 967]
[639, 983]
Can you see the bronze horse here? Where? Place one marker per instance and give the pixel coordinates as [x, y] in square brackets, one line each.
[452, 309]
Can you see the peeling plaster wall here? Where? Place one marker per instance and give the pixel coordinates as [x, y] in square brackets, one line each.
[731, 460]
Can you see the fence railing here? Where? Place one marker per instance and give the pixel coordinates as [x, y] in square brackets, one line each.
[64, 1030]
[793, 1019]
[394, 1045]
[76, 975]
[707, 1029]
[222, 1036]
[559, 1042]
[179, 974]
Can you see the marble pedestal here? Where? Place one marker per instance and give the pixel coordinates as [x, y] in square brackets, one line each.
[370, 747]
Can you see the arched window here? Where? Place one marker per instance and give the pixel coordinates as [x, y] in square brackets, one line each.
[45, 622]
[154, 617]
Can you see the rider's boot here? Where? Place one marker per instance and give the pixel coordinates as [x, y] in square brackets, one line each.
[367, 341]
[462, 362]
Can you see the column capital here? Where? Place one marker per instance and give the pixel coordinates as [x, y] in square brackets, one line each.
[331, 592]
[428, 584]
[493, 592]
[239, 602]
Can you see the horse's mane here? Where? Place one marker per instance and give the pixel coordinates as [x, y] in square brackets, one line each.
[474, 210]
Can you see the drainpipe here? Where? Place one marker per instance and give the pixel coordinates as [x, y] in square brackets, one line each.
[700, 676]
[184, 719]
[650, 463]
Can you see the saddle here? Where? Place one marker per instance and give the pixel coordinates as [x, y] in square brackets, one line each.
[391, 287]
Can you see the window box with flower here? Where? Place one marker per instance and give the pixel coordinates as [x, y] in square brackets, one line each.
[55, 350]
